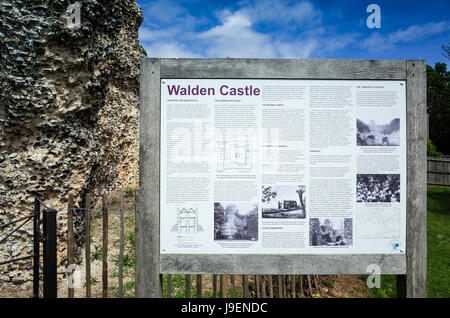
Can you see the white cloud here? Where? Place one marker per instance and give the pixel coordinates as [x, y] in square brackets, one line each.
[168, 50]
[287, 13]
[416, 32]
[241, 33]
[298, 49]
[340, 42]
[146, 34]
[379, 42]
[236, 38]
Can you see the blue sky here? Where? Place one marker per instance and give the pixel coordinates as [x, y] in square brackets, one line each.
[295, 29]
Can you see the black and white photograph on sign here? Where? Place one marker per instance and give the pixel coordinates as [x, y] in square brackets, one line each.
[236, 221]
[377, 129]
[378, 188]
[284, 201]
[330, 231]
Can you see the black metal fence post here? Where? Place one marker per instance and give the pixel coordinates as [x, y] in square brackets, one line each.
[36, 234]
[401, 286]
[50, 281]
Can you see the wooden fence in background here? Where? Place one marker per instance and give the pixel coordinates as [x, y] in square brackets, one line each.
[250, 286]
[438, 170]
[223, 286]
[88, 209]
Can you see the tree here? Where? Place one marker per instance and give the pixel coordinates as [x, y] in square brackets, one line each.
[362, 127]
[301, 189]
[438, 100]
[252, 223]
[446, 49]
[431, 150]
[268, 194]
[219, 218]
[393, 126]
[314, 225]
[348, 231]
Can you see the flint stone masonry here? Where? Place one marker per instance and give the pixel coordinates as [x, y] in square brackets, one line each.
[68, 111]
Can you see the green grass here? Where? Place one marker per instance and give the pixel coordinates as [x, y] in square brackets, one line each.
[129, 192]
[96, 215]
[97, 255]
[438, 244]
[179, 286]
[113, 200]
[438, 248]
[388, 287]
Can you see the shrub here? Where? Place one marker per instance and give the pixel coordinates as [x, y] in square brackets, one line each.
[432, 150]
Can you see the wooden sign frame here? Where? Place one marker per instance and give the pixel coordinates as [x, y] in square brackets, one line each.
[411, 267]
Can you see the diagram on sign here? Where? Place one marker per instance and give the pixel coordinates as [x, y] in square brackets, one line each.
[235, 154]
[377, 223]
[187, 221]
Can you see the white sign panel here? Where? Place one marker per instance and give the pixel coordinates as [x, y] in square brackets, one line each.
[283, 166]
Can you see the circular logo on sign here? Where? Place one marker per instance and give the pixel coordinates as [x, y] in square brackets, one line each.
[395, 245]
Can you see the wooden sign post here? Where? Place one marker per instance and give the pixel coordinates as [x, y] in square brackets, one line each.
[410, 266]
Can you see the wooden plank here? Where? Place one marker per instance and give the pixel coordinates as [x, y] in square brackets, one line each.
[282, 264]
[439, 159]
[87, 244]
[105, 227]
[188, 286]
[280, 286]
[292, 279]
[258, 286]
[300, 281]
[214, 286]
[270, 286]
[263, 286]
[245, 286]
[438, 184]
[221, 282]
[199, 286]
[70, 242]
[416, 230]
[309, 285]
[283, 68]
[147, 212]
[169, 285]
[316, 284]
[121, 244]
[223, 289]
[438, 171]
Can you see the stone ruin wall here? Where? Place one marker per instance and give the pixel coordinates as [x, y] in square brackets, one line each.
[68, 111]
